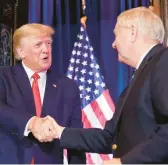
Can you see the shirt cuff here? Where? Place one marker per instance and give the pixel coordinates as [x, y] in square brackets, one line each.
[26, 131]
[60, 133]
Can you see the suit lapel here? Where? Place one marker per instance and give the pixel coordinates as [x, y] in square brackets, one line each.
[154, 51]
[23, 83]
[50, 94]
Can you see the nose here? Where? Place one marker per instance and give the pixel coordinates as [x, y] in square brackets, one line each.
[114, 45]
[45, 48]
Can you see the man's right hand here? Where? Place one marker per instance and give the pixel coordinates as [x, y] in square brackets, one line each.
[43, 129]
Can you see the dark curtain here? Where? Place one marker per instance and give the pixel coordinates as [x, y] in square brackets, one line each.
[64, 16]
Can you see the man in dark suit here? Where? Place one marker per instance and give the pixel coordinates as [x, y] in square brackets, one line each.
[30, 106]
[138, 131]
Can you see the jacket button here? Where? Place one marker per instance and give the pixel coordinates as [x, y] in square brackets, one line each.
[114, 146]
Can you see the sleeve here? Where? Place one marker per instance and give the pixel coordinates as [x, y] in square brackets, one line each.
[87, 140]
[154, 148]
[10, 120]
[74, 156]
[93, 139]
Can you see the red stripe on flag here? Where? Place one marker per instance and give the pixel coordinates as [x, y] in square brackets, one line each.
[109, 100]
[101, 118]
[89, 159]
[104, 157]
[96, 109]
[98, 113]
[86, 123]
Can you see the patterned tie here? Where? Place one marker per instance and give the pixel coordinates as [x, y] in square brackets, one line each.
[37, 99]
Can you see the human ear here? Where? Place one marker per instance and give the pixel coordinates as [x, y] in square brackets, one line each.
[20, 52]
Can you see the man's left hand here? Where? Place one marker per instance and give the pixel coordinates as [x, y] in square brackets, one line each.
[113, 161]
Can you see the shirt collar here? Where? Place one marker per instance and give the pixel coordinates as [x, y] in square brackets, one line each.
[30, 72]
[143, 56]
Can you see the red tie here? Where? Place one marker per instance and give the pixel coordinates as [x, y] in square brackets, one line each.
[37, 99]
[36, 94]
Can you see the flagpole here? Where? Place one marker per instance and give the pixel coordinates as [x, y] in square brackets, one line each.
[84, 17]
[83, 6]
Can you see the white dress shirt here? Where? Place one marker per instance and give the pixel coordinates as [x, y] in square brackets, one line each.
[140, 61]
[42, 85]
[143, 56]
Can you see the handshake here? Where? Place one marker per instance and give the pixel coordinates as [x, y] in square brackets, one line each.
[44, 129]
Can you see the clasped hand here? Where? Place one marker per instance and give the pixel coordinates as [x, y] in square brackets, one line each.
[44, 129]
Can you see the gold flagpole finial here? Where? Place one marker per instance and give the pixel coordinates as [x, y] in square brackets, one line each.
[83, 21]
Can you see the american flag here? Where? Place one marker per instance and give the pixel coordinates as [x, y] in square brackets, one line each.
[96, 104]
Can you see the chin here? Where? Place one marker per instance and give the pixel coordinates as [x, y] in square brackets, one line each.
[46, 67]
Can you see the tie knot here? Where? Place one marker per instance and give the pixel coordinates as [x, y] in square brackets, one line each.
[35, 76]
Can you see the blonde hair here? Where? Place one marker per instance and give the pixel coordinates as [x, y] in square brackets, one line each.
[31, 29]
[148, 23]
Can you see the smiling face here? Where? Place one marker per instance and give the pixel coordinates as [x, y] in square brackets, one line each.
[36, 52]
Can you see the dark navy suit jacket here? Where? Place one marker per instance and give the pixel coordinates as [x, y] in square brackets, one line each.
[17, 107]
[139, 127]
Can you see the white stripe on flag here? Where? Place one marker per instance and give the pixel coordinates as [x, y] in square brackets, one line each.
[96, 158]
[104, 106]
[110, 155]
[89, 112]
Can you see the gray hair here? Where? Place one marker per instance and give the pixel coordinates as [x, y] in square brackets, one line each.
[149, 24]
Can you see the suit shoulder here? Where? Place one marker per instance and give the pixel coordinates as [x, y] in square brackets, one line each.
[68, 86]
[161, 66]
[68, 82]
[65, 81]
[5, 69]
[165, 54]
[163, 59]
